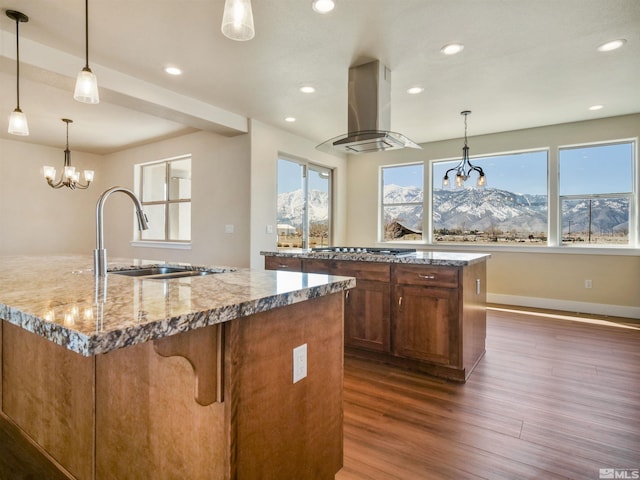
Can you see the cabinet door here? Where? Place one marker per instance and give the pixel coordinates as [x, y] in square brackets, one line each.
[367, 316]
[425, 324]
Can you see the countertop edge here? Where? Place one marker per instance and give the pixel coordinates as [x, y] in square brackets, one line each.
[104, 342]
[447, 259]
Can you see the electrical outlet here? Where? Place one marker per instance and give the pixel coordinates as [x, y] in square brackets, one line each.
[299, 363]
[588, 284]
[269, 229]
[228, 229]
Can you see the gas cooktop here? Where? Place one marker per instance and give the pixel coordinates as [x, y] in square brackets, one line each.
[368, 250]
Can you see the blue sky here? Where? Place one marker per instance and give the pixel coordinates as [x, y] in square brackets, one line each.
[290, 177]
[594, 169]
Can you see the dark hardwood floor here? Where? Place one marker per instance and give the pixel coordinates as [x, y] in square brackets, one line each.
[555, 397]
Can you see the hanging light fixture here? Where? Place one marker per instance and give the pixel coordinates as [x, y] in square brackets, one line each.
[69, 178]
[237, 20]
[86, 84]
[465, 167]
[18, 120]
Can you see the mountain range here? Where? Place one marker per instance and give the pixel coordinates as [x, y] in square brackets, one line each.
[472, 209]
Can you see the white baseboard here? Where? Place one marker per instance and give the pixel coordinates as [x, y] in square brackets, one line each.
[566, 305]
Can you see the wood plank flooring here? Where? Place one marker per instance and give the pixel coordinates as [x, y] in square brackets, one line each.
[554, 397]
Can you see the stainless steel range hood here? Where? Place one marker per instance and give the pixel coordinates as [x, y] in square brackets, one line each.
[369, 114]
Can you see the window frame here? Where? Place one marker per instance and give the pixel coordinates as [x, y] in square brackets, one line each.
[382, 205]
[634, 221]
[167, 202]
[306, 166]
[554, 224]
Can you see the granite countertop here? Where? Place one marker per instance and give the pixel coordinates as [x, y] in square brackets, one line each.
[58, 298]
[450, 259]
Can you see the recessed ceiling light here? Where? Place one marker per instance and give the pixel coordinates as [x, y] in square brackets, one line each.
[173, 70]
[307, 89]
[452, 48]
[290, 119]
[322, 6]
[415, 90]
[596, 107]
[613, 45]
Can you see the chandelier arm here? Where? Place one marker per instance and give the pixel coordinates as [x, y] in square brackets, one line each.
[57, 185]
[81, 186]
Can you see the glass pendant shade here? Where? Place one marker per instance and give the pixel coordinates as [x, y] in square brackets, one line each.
[49, 172]
[18, 123]
[237, 20]
[88, 175]
[86, 87]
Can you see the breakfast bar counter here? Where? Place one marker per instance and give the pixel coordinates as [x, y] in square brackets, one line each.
[173, 377]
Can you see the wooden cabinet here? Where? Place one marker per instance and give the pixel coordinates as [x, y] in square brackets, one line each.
[367, 312]
[425, 314]
[426, 317]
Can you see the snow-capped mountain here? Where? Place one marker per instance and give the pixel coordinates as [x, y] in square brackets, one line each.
[290, 205]
[473, 209]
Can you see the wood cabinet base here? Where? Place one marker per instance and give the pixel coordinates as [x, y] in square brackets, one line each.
[132, 413]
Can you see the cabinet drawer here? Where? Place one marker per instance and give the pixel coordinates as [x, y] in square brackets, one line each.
[361, 270]
[283, 263]
[426, 275]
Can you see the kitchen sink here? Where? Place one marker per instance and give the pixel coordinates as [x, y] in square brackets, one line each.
[165, 272]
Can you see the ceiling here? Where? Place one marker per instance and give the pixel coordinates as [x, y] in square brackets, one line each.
[525, 64]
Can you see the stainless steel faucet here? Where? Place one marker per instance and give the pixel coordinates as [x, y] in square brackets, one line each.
[100, 253]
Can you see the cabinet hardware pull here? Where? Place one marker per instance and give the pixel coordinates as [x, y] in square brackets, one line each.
[283, 266]
[400, 302]
[346, 296]
[428, 277]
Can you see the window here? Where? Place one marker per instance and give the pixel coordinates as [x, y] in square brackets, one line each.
[511, 209]
[165, 192]
[402, 202]
[596, 193]
[303, 204]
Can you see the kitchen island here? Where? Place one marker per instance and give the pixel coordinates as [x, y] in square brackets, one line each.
[126, 377]
[418, 310]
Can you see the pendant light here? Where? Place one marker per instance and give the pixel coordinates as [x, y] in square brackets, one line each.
[18, 120]
[69, 178]
[465, 167]
[86, 84]
[237, 20]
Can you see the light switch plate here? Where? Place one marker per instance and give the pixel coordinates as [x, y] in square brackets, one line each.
[228, 229]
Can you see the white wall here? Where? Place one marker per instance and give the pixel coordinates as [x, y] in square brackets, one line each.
[35, 218]
[220, 196]
[267, 143]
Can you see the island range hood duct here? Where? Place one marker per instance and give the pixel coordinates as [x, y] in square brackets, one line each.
[369, 114]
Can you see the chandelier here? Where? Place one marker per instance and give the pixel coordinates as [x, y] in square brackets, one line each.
[69, 178]
[465, 167]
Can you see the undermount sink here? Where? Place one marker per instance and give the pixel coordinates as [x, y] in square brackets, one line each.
[164, 273]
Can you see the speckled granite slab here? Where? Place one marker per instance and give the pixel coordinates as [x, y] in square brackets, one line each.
[449, 259]
[58, 298]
